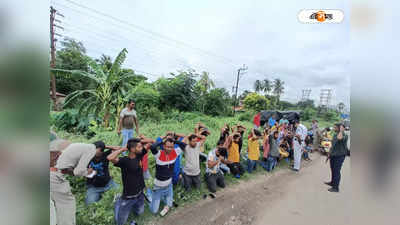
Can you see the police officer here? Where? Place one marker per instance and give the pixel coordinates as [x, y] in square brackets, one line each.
[337, 155]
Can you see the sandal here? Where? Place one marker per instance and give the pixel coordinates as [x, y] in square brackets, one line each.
[164, 211]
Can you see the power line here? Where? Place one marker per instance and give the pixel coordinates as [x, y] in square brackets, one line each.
[53, 25]
[241, 71]
[151, 33]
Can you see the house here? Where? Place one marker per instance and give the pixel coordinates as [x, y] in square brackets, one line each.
[60, 98]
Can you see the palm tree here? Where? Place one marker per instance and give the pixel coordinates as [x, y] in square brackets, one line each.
[258, 86]
[278, 88]
[267, 87]
[109, 89]
[205, 84]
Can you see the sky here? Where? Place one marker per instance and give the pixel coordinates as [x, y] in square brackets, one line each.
[219, 37]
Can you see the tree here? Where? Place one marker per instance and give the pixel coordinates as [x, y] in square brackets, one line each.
[72, 56]
[178, 92]
[258, 86]
[110, 87]
[204, 85]
[217, 102]
[244, 94]
[256, 102]
[286, 105]
[267, 87]
[307, 103]
[105, 61]
[278, 88]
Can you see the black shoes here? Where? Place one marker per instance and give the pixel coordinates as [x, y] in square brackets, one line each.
[328, 183]
[296, 170]
[333, 190]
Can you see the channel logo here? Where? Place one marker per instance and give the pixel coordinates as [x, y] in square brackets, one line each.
[320, 16]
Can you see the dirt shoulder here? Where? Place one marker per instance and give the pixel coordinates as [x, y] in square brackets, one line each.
[243, 203]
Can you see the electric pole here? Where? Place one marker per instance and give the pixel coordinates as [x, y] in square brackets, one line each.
[53, 25]
[240, 72]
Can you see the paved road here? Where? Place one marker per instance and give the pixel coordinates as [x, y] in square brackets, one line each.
[307, 200]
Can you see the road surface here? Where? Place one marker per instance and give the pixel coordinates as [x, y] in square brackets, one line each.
[281, 198]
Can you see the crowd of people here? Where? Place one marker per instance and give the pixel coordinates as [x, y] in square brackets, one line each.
[267, 146]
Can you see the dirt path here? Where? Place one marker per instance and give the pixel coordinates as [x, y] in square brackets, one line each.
[281, 198]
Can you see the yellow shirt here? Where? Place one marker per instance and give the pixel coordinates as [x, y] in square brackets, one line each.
[253, 149]
[233, 153]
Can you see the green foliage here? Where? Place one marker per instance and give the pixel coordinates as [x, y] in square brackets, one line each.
[247, 116]
[106, 97]
[178, 92]
[331, 116]
[285, 105]
[145, 96]
[256, 102]
[217, 102]
[70, 120]
[72, 56]
[308, 114]
[305, 104]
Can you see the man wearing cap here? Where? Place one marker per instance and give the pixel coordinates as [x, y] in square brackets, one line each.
[298, 144]
[336, 156]
[73, 160]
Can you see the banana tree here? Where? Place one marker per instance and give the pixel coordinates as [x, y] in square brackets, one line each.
[110, 85]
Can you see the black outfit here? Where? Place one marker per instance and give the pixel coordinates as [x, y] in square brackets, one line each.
[213, 180]
[102, 177]
[189, 181]
[337, 156]
[236, 168]
[132, 175]
[240, 143]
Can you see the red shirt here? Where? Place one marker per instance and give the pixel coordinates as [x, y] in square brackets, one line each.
[256, 119]
[145, 162]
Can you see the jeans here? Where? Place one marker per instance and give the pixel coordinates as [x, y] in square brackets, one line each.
[93, 194]
[160, 193]
[269, 164]
[126, 135]
[336, 163]
[224, 168]
[251, 165]
[123, 208]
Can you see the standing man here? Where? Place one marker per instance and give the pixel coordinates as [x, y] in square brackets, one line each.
[298, 144]
[336, 156]
[132, 198]
[316, 135]
[73, 161]
[128, 119]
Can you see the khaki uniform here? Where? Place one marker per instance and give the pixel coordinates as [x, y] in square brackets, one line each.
[76, 156]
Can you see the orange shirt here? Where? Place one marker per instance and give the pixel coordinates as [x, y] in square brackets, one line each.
[233, 153]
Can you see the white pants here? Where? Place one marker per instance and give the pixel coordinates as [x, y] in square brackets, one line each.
[297, 152]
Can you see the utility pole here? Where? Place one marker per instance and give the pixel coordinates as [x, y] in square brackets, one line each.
[53, 13]
[240, 70]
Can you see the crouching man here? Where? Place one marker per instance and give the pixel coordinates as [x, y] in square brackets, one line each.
[72, 161]
[214, 176]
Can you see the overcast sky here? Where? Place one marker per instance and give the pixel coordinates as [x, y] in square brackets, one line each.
[219, 37]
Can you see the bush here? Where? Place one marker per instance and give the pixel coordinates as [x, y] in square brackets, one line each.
[256, 102]
[152, 113]
[71, 121]
[247, 116]
[308, 114]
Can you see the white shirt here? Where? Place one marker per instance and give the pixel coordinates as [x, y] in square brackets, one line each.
[302, 131]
